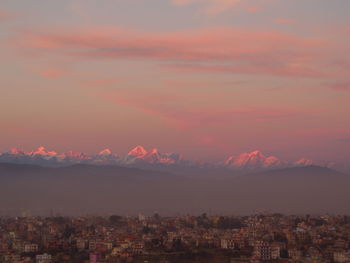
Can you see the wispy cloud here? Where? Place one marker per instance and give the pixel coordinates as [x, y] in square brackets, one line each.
[210, 7]
[100, 82]
[340, 86]
[253, 9]
[285, 21]
[345, 140]
[231, 50]
[54, 72]
[168, 107]
[5, 15]
[200, 121]
[283, 70]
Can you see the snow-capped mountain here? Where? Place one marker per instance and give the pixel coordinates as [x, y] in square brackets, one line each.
[137, 152]
[73, 157]
[43, 153]
[15, 151]
[42, 156]
[304, 162]
[255, 160]
[140, 155]
[37, 156]
[308, 162]
[105, 156]
[13, 155]
[137, 156]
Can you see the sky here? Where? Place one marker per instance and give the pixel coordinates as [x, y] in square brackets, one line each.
[205, 78]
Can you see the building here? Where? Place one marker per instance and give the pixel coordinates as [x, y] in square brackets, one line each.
[30, 248]
[43, 258]
[341, 256]
[227, 243]
[262, 251]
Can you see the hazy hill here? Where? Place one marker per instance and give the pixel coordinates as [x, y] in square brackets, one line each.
[111, 189]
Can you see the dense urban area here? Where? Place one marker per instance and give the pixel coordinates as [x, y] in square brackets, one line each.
[232, 239]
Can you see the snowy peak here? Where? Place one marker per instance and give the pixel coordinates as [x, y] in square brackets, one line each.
[256, 153]
[309, 162]
[153, 151]
[105, 152]
[138, 151]
[74, 156]
[304, 162]
[105, 156]
[16, 151]
[140, 155]
[272, 161]
[253, 160]
[153, 156]
[41, 151]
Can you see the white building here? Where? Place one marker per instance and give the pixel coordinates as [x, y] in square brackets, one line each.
[43, 258]
[227, 243]
[30, 248]
[341, 256]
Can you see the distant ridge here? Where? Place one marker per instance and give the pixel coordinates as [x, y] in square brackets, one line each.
[110, 188]
[88, 169]
[297, 171]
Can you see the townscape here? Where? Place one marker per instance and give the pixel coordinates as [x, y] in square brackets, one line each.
[263, 237]
[174, 131]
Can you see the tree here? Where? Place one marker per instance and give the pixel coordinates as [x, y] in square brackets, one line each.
[156, 216]
[116, 220]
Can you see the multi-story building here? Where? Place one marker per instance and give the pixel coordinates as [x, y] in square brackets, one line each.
[227, 243]
[262, 251]
[29, 247]
[341, 256]
[43, 258]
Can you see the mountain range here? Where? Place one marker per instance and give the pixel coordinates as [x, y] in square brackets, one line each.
[142, 158]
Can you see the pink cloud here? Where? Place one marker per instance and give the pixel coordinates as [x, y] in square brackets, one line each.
[167, 107]
[54, 72]
[340, 86]
[216, 49]
[198, 84]
[253, 9]
[51, 70]
[210, 7]
[100, 82]
[324, 132]
[202, 122]
[284, 21]
[4, 15]
[258, 69]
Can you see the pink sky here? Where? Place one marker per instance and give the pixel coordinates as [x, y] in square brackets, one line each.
[206, 78]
